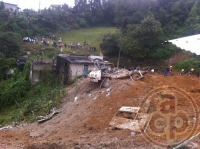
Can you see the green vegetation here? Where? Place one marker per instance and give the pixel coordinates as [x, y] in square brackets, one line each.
[24, 102]
[188, 64]
[92, 35]
[137, 28]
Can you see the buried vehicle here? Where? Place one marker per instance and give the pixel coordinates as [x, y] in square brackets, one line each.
[100, 76]
[103, 74]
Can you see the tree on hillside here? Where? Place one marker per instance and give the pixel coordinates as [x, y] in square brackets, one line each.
[108, 11]
[141, 39]
[9, 49]
[172, 14]
[80, 6]
[9, 44]
[110, 44]
[2, 5]
[4, 15]
[193, 20]
[131, 11]
[96, 10]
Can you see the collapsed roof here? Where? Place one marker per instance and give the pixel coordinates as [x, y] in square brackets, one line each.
[79, 59]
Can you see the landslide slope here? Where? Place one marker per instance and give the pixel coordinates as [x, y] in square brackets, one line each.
[83, 121]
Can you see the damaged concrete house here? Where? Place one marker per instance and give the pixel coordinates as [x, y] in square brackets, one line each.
[38, 67]
[71, 66]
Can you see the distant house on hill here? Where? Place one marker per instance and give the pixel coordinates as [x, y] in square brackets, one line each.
[55, 6]
[10, 7]
[70, 11]
[71, 66]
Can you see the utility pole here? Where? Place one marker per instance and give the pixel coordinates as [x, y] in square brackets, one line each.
[39, 6]
[119, 52]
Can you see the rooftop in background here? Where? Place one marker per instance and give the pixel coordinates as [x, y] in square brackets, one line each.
[10, 7]
[78, 59]
[34, 4]
[55, 6]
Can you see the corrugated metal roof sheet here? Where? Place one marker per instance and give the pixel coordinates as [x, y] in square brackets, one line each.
[78, 59]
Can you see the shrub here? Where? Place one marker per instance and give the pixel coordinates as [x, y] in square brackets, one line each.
[15, 88]
[164, 51]
[81, 22]
[188, 64]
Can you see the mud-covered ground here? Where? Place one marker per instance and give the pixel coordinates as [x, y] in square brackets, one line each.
[84, 116]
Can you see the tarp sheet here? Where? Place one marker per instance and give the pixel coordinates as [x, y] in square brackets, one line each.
[189, 43]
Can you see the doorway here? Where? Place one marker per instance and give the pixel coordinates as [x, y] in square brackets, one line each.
[85, 70]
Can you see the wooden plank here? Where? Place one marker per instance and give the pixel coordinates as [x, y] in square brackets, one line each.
[129, 109]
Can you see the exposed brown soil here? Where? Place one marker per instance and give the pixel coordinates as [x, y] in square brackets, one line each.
[84, 123]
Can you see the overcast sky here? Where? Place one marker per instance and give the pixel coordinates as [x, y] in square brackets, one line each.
[34, 4]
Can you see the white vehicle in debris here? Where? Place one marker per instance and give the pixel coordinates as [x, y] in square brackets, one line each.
[103, 74]
[100, 74]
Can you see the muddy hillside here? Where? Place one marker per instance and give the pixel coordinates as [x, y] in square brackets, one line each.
[84, 118]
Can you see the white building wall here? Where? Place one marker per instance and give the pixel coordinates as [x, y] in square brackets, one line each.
[77, 69]
[10, 7]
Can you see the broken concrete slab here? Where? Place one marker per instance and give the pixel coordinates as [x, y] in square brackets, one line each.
[124, 123]
[129, 118]
[129, 109]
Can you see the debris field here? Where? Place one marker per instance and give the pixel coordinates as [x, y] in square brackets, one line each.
[85, 116]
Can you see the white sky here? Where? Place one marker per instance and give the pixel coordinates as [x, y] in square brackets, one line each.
[34, 4]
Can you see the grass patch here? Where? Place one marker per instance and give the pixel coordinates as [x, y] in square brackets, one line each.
[92, 35]
[10, 114]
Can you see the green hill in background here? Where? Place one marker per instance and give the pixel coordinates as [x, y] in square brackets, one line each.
[93, 36]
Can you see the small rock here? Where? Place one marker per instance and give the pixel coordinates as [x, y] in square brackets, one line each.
[77, 147]
[108, 94]
[86, 146]
[114, 139]
[108, 89]
[75, 98]
[132, 133]
[53, 109]
[102, 92]
[95, 98]
[34, 134]
[14, 124]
